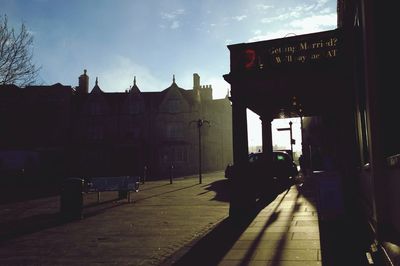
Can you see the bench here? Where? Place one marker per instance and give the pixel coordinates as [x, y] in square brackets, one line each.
[123, 184]
[74, 189]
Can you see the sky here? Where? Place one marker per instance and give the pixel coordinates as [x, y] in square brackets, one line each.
[153, 40]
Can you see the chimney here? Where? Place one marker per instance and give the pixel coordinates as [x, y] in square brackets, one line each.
[196, 81]
[84, 83]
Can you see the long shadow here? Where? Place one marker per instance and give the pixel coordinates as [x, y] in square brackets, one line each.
[97, 209]
[274, 216]
[221, 188]
[24, 226]
[210, 249]
[276, 259]
[150, 188]
[167, 192]
[32, 224]
[29, 225]
[18, 193]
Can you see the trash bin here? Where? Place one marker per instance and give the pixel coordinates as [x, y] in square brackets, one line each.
[71, 201]
[123, 194]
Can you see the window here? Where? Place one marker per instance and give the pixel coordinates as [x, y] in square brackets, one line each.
[173, 106]
[175, 130]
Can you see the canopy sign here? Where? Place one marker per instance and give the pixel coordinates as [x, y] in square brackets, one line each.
[296, 50]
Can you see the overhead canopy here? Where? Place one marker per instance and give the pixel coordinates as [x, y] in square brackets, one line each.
[266, 75]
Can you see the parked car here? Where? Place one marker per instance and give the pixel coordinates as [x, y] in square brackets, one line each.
[283, 170]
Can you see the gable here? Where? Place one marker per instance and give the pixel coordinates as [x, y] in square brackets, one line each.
[173, 102]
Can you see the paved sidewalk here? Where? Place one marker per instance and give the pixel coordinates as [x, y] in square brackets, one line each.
[184, 223]
[286, 231]
[162, 219]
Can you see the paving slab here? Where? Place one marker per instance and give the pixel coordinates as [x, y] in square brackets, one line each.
[183, 223]
[162, 219]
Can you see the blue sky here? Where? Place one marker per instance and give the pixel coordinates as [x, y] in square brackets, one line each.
[116, 40]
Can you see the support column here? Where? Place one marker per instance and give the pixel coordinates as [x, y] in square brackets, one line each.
[239, 131]
[242, 199]
[267, 137]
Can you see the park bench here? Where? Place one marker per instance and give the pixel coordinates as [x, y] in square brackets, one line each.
[74, 189]
[123, 184]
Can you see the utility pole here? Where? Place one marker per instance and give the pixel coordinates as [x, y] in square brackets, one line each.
[200, 123]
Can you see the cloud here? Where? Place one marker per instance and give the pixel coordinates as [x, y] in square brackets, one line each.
[288, 13]
[172, 18]
[270, 35]
[315, 23]
[318, 8]
[240, 18]
[306, 25]
[264, 7]
[175, 24]
[321, 3]
[228, 41]
[173, 14]
[119, 74]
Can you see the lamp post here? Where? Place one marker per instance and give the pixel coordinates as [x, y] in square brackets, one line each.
[299, 111]
[200, 123]
[291, 136]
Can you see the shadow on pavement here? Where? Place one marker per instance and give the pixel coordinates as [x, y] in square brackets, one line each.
[14, 228]
[255, 243]
[221, 188]
[23, 226]
[163, 193]
[13, 194]
[210, 249]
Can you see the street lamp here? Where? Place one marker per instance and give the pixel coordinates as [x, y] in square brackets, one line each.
[200, 123]
[299, 111]
[292, 141]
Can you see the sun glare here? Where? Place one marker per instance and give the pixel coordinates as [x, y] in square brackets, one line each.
[280, 133]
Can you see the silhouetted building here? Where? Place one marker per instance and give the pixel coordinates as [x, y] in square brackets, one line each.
[77, 132]
[344, 80]
[35, 126]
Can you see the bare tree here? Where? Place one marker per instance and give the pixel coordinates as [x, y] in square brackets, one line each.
[16, 53]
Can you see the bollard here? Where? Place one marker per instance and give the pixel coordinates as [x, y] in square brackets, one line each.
[137, 184]
[171, 173]
[144, 174]
[123, 192]
[71, 200]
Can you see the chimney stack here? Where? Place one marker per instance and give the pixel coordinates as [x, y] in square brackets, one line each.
[84, 83]
[196, 81]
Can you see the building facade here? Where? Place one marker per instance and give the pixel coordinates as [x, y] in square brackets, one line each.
[345, 81]
[74, 131]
